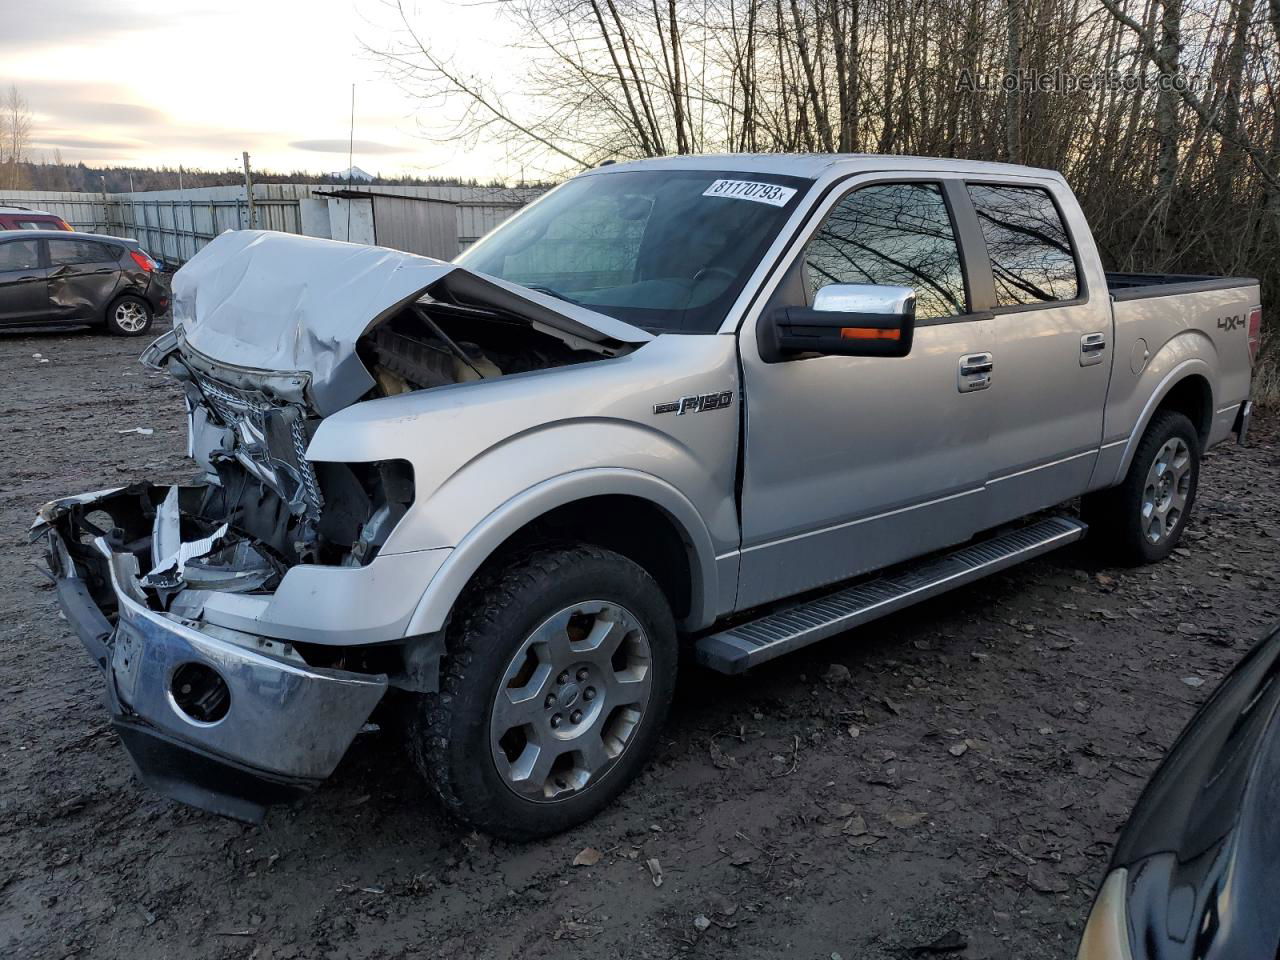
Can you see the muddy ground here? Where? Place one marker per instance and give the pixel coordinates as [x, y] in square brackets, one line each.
[960, 767]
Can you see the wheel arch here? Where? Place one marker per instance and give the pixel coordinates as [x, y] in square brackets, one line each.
[636, 514]
[1187, 389]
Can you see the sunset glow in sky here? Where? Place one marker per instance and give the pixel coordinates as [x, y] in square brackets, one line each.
[195, 82]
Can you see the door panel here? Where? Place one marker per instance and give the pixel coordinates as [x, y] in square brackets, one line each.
[1052, 353]
[83, 276]
[854, 463]
[24, 292]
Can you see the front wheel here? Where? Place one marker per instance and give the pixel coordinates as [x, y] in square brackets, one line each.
[1142, 520]
[558, 675]
[129, 316]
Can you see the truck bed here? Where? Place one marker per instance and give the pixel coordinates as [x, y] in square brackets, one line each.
[1140, 286]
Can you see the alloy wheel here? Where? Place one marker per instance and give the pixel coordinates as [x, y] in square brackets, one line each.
[1164, 496]
[571, 700]
[130, 317]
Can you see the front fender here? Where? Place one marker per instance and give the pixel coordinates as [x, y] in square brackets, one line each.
[490, 456]
[486, 536]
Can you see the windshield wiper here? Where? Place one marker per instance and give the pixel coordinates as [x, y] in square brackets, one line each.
[554, 293]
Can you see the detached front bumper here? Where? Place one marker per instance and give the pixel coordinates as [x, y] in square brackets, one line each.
[222, 720]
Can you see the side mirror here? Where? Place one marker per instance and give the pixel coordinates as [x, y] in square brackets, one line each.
[846, 319]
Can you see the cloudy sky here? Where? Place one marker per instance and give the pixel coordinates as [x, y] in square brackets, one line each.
[194, 82]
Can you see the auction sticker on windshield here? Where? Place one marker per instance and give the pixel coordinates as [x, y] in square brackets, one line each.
[769, 193]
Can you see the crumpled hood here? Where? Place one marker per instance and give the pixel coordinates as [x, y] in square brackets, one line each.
[258, 300]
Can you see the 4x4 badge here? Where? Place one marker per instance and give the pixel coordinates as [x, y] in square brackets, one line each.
[699, 403]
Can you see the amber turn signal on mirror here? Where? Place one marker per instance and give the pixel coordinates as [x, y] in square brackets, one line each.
[869, 333]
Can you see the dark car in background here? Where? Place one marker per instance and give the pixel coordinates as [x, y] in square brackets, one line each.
[24, 218]
[79, 278]
[1196, 872]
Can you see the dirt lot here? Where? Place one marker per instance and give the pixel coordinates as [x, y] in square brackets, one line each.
[961, 767]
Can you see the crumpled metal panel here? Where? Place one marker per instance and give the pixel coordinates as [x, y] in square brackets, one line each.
[266, 301]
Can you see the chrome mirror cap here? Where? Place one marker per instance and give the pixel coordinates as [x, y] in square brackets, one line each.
[865, 298]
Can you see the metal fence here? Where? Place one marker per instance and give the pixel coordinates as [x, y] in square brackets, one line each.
[175, 229]
[84, 211]
[173, 225]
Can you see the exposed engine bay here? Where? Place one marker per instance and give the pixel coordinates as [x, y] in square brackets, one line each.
[435, 344]
[272, 335]
[264, 506]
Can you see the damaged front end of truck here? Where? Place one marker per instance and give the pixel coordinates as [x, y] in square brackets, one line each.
[249, 622]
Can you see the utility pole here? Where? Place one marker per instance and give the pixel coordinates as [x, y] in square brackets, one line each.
[351, 152]
[248, 189]
[106, 223]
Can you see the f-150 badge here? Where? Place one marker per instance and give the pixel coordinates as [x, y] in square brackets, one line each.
[699, 403]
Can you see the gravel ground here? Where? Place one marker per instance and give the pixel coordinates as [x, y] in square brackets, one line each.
[962, 767]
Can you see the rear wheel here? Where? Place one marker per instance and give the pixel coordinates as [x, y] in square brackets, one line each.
[129, 316]
[1142, 519]
[558, 676]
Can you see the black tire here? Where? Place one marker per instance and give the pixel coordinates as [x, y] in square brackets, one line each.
[122, 316]
[1117, 527]
[449, 732]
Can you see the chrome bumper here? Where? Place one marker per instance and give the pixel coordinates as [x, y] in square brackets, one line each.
[286, 724]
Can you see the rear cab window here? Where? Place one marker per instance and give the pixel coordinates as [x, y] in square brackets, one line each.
[1032, 259]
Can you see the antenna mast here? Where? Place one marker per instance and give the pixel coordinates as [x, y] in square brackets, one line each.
[351, 149]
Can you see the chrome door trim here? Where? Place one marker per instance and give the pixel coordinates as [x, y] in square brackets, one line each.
[1023, 471]
[868, 518]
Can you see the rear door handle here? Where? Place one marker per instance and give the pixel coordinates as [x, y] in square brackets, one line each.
[975, 372]
[1092, 347]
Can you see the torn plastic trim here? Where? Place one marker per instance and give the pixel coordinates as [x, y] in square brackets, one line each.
[265, 303]
[334, 606]
[50, 513]
[281, 387]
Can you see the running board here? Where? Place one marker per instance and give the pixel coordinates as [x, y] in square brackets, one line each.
[748, 644]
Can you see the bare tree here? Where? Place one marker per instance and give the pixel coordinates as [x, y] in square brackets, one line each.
[1174, 151]
[15, 134]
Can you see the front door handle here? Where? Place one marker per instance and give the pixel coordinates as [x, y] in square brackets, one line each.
[975, 372]
[1092, 347]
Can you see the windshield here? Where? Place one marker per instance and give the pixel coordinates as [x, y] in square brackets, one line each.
[667, 251]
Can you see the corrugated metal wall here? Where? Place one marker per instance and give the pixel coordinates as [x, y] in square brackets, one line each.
[84, 211]
[175, 228]
[174, 224]
[418, 225]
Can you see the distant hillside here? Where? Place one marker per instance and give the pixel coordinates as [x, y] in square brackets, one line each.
[83, 178]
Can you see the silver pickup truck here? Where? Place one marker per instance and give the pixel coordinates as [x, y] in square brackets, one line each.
[730, 405]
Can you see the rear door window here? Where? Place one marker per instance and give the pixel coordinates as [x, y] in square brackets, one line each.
[64, 253]
[19, 255]
[1031, 256]
[896, 234]
[38, 225]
